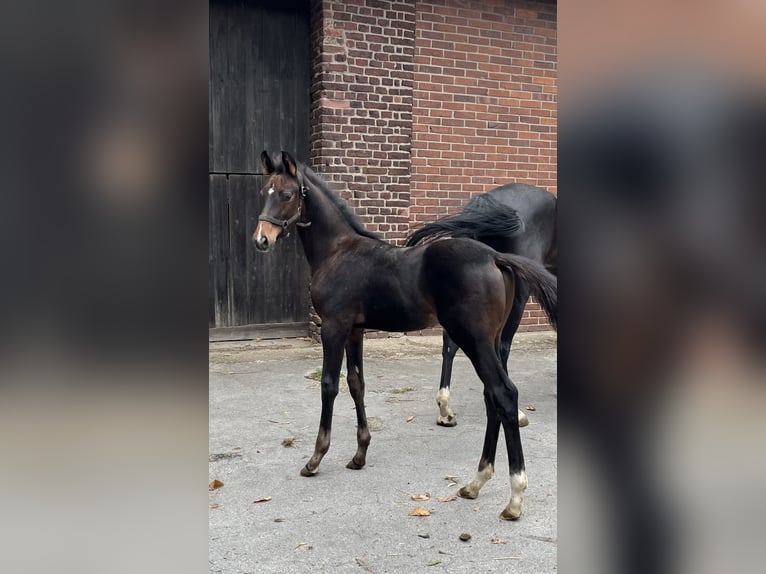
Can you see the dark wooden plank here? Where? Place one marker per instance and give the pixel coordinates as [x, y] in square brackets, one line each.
[236, 128]
[263, 331]
[218, 251]
[240, 243]
[217, 88]
[258, 264]
[253, 115]
[302, 82]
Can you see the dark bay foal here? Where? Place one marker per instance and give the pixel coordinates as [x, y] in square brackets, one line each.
[359, 282]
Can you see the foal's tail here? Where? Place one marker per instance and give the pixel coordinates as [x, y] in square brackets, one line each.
[484, 215]
[542, 284]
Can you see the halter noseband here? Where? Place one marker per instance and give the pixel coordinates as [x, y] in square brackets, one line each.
[285, 223]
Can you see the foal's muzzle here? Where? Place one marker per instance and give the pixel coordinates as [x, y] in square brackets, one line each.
[261, 243]
[266, 235]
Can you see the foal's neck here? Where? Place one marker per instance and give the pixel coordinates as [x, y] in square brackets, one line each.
[328, 226]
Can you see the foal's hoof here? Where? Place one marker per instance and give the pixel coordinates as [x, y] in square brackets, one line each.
[507, 514]
[448, 421]
[306, 472]
[467, 492]
[354, 465]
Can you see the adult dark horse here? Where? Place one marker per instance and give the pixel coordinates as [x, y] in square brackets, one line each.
[535, 239]
[358, 282]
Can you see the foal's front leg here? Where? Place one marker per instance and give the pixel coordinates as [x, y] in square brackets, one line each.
[333, 341]
[355, 380]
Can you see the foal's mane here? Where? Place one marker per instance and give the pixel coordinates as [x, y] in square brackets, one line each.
[336, 200]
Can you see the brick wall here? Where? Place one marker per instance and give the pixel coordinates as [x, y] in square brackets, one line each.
[419, 105]
[362, 106]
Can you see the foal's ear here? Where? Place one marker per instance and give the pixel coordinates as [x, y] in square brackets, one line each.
[267, 166]
[289, 163]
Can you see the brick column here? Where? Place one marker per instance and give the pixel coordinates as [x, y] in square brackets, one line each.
[361, 123]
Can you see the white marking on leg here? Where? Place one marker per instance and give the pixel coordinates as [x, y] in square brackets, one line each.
[446, 416]
[471, 490]
[518, 489]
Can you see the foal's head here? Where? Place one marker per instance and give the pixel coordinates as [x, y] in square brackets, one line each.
[284, 193]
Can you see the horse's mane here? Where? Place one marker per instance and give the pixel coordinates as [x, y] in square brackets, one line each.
[336, 200]
[482, 216]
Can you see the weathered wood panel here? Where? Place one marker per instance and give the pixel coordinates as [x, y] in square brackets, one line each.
[258, 99]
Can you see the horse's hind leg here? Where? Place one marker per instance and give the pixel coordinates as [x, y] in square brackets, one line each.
[333, 341]
[356, 387]
[487, 461]
[502, 396]
[446, 416]
[520, 297]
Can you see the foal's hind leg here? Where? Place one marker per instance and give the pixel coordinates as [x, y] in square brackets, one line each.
[502, 396]
[520, 297]
[487, 461]
[446, 416]
[333, 340]
[355, 380]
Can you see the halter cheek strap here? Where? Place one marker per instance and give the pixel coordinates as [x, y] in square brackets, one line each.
[285, 223]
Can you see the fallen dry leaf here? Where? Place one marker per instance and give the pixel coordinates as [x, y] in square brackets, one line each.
[498, 541]
[215, 484]
[425, 496]
[290, 441]
[228, 372]
[279, 520]
[410, 418]
[300, 544]
[420, 511]
[446, 499]
[530, 408]
[214, 505]
[452, 484]
[465, 537]
[262, 499]
[450, 478]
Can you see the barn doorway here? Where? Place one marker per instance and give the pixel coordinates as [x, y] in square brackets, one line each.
[259, 98]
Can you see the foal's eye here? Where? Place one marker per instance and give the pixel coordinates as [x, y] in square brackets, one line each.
[285, 195]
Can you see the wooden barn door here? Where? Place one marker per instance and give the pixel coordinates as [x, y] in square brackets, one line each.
[259, 98]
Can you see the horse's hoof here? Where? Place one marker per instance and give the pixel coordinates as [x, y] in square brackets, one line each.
[510, 515]
[466, 492]
[523, 420]
[306, 472]
[354, 465]
[449, 421]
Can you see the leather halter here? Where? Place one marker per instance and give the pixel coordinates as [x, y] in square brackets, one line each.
[285, 223]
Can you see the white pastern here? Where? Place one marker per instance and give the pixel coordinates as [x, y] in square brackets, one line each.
[442, 399]
[471, 490]
[518, 489]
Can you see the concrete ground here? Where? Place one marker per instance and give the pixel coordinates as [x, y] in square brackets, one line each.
[358, 521]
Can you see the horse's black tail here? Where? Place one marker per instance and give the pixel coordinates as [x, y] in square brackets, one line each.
[484, 216]
[542, 284]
